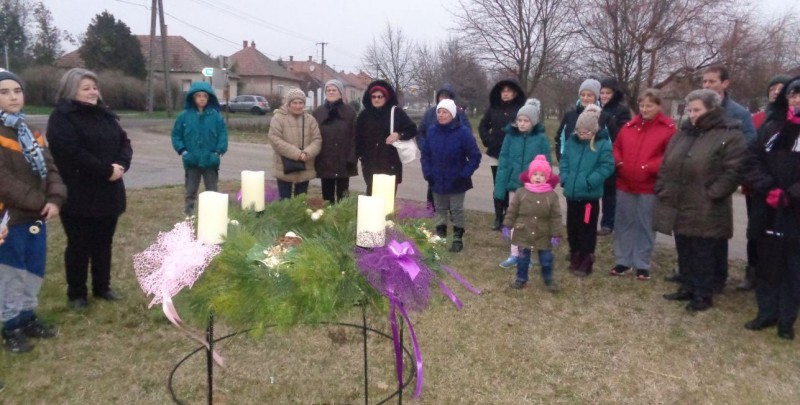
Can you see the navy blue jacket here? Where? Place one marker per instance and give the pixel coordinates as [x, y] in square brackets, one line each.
[736, 111]
[450, 156]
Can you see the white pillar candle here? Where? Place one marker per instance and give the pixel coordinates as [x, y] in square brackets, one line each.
[383, 187]
[212, 218]
[253, 190]
[370, 222]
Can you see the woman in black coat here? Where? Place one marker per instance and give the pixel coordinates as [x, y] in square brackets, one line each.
[373, 136]
[505, 100]
[772, 173]
[92, 153]
[336, 162]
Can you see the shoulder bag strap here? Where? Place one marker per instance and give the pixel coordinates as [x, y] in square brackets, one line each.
[303, 132]
[391, 120]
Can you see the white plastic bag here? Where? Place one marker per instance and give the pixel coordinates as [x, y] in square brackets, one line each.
[407, 150]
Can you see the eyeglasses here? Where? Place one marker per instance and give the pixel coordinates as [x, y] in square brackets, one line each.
[377, 96]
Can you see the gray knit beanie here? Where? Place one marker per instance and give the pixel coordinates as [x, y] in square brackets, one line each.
[7, 75]
[336, 83]
[589, 119]
[294, 94]
[530, 110]
[591, 85]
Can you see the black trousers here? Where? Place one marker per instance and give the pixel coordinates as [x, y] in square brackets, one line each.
[609, 202]
[778, 286]
[698, 261]
[335, 189]
[89, 240]
[582, 236]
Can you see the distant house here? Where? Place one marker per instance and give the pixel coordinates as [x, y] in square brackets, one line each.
[186, 63]
[259, 74]
[314, 76]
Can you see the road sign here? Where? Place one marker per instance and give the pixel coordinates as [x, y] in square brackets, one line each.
[208, 72]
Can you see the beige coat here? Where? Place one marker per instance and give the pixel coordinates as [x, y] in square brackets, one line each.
[288, 138]
[534, 218]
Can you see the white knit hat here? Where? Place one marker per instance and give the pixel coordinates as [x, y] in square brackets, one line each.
[448, 105]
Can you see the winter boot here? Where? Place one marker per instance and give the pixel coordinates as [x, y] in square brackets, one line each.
[441, 231]
[574, 260]
[499, 213]
[587, 264]
[458, 240]
[15, 341]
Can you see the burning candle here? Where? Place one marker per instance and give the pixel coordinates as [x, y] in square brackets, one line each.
[370, 222]
[212, 218]
[383, 187]
[253, 190]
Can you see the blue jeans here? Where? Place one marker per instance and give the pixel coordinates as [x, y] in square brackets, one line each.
[285, 189]
[22, 266]
[545, 261]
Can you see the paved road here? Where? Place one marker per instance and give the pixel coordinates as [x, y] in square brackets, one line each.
[156, 164]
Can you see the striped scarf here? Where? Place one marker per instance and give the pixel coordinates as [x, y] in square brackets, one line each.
[30, 148]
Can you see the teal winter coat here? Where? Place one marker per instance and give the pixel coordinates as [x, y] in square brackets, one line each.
[202, 135]
[516, 154]
[584, 170]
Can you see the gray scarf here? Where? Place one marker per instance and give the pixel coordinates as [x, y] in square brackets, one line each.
[30, 148]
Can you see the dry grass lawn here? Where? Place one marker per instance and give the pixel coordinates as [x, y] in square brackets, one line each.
[600, 340]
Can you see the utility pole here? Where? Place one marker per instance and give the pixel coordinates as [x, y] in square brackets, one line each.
[322, 74]
[150, 61]
[164, 53]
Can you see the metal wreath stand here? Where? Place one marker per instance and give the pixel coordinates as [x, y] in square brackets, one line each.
[364, 329]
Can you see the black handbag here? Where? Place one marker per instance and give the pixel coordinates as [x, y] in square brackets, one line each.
[291, 165]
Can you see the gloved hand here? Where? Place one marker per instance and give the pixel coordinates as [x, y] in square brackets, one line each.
[775, 196]
[555, 241]
[506, 233]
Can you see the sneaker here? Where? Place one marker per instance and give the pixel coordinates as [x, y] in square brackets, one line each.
[642, 275]
[36, 329]
[619, 270]
[518, 285]
[15, 341]
[510, 262]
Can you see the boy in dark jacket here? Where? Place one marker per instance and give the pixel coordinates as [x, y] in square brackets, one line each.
[200, 137]
[449, 158]
[617, 113]
[31, 192]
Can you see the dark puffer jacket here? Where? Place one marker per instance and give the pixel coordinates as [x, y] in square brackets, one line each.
[698, 174]
[567, 127]
[85, 140]
[429, 119]
[449, 158]
[616, 110]
[372, 129]
[498, 115]
[337, 123]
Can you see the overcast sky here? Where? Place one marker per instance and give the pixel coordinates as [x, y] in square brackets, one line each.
[287, 27]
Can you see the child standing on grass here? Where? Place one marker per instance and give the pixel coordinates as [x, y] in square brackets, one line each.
[524, 140]
[449, 157]
[585, 164]
[31, 192]
[533, 221]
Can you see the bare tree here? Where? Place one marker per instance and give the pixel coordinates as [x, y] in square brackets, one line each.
[526, 38]
[390, 56]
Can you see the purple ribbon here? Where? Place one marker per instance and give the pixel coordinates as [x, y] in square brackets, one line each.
[394, 305]
[402, 255]
[461, 281]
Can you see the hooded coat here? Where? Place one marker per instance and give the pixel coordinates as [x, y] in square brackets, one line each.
[372, 129]
[760, 117]
[337, 124]
[617, 112]
[518, 151]
[202, 135]
[85, 139]
[429, 119]
[499, 114]
[289, 135]
[698, 175]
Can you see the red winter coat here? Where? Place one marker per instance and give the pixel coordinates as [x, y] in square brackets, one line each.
[638, 152]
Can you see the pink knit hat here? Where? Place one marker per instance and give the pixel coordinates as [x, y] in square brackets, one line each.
[539, 164]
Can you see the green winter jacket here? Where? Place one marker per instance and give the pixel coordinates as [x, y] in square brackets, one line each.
[516, 154]
[202, 135]
[584, 170]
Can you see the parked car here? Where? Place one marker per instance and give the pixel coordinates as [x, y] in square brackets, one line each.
[247, 103]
